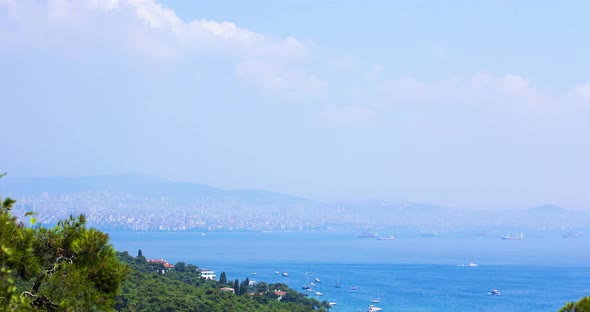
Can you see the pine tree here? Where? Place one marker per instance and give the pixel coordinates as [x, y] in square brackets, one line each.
[68, 267]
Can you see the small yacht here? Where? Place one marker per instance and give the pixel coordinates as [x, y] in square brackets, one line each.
[518, 236]
[495, 292]
[285, 274]
[376, 300]
[317, 280]
[373, 308]
[468, 264]
[390, 237]
[354, 288]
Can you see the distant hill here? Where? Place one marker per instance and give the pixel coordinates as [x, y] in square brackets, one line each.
[547, 209]
[141, 186]
[151, 203]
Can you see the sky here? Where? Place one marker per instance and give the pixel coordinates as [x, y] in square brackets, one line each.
[471, 104]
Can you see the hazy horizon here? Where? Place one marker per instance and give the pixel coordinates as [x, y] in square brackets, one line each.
[139, 179]
[472, 105]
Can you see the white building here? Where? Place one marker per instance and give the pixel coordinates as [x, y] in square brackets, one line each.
[208, 274]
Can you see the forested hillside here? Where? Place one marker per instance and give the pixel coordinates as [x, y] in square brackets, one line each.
[181, 289]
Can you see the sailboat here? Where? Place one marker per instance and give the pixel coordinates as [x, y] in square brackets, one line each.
[337, 283]
[376, 300]
[319, 293]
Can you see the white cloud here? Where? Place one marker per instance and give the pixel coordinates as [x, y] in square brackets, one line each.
[409, 89]
[351, 115]
[375, 72]
[510, 89]
[343, 63]
[285, 81]
[152, 30]
[582, 92]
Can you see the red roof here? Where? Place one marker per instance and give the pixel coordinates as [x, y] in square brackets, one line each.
[162, 261]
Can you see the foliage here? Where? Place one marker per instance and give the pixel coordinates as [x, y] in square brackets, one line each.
[65, 268]
[582, 305]
[148, 290]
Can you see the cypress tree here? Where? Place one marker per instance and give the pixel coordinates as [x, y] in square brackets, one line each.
[237, 287]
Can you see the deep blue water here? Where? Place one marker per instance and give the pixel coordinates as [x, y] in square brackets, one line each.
[410, 273]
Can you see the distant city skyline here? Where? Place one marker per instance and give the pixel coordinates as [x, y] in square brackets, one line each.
[465, 104]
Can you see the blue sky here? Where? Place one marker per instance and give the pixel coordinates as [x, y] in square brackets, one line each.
[474, 104]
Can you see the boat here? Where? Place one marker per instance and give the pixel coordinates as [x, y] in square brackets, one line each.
[367, 235]
[331, 303]
[317, 293]
[305, 287]
[253, 273]
[337, 285]
[390, 237]
[572, 234]
[285, 274]
[376, 300]
[317, 280]
[354, 288]
[373, 308]
[494, 292]
[469, 264]
[429, 234]
[518, 236]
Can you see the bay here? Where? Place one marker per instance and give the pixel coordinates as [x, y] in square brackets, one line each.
[409, 273]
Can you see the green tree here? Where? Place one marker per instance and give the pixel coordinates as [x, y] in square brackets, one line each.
[16, 256]
[180, 266]
[582, 305]
[237, 287]
[222, 278]
[66, 268]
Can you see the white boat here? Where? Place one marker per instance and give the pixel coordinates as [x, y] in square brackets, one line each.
[572, 234]
[494, 292]
[390, 237]
[376, 300]
[518, 236]
[317, 280]
[373, 308]
[331, 303]
[285, 274]
[468, 264]
[318, 293]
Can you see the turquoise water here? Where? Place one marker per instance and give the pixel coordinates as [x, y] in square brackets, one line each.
[410, 273]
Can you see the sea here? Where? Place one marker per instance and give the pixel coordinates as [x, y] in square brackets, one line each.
[409, 273]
